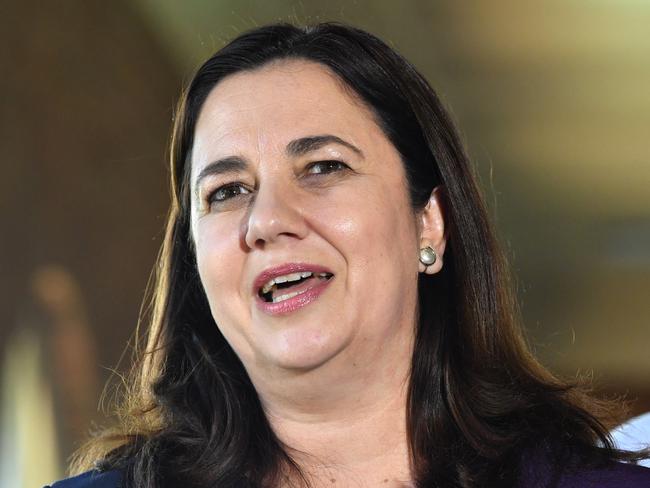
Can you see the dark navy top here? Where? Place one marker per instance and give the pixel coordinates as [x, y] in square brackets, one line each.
[92, 479]
[617, 475]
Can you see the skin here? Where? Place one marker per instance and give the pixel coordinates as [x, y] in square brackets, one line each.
[332, 376]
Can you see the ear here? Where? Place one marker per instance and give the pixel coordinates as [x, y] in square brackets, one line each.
[432, 229]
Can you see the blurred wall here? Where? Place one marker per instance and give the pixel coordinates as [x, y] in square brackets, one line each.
[551, 98]
[87, 96]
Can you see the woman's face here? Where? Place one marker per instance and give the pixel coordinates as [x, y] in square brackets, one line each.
[293, 179]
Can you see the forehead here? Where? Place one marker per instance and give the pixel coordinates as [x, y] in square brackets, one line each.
[266, 108]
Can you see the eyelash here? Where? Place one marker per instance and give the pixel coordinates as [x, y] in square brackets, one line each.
[330, 163]
[332, 166]
[212, 196]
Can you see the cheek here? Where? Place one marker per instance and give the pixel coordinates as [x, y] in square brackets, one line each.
[374, 231]
[219, 261]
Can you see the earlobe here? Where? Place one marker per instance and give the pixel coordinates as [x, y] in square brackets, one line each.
[432, 232]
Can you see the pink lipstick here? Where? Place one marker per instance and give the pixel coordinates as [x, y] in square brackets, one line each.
[288, 287]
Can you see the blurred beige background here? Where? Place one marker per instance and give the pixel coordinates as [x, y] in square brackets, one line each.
[552, 98]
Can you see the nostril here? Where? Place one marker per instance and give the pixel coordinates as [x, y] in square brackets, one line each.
[274, 214]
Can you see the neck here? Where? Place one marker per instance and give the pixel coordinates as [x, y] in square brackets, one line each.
[364, 446]
[345, 421]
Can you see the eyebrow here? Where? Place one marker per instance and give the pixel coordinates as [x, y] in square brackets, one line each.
[302, 146]
[229, 164]
[297, 147]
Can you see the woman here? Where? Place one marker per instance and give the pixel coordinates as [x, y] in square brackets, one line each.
[331, 306]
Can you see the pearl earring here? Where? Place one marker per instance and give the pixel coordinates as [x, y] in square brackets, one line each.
[427, 256]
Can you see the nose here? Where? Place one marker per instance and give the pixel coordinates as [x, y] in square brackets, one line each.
[275, 213]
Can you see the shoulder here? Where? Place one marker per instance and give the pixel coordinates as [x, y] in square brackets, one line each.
[92, 479]
[540, 469]
[614, 475]
[634, 435]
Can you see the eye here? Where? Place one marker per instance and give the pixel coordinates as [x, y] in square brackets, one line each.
[226, 192]
[323, 167]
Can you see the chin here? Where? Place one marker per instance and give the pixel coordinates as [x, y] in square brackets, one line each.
[302, 349]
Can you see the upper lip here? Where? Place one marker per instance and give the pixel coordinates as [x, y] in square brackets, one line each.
[283, 269]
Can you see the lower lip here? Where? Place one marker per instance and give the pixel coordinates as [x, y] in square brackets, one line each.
[294, 303]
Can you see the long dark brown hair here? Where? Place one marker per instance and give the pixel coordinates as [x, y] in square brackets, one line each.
[478, 402]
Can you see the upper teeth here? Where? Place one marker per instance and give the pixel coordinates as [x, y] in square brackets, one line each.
[289, 277]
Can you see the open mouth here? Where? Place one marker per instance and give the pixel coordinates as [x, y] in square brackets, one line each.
[290, 285]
